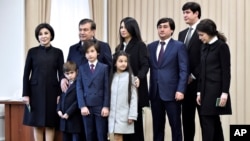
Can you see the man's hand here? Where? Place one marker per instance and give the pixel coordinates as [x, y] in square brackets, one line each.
[179, 96]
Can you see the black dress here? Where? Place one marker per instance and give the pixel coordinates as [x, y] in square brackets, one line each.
[42, 74]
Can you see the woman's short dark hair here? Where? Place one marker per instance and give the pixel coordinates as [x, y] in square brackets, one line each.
[47, 26]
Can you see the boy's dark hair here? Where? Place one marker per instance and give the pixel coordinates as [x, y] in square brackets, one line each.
[89, 43]
[69, 66]
[193, 6]
[47, 26]
[128, 69]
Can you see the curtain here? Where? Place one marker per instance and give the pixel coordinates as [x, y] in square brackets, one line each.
[97, 14]
[36, 12]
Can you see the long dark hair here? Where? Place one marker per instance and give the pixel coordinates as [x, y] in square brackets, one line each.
[128, 69]
[133, 29]
[209, 27]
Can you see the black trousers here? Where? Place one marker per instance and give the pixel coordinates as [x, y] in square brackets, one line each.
[211, 128]
[189, 106]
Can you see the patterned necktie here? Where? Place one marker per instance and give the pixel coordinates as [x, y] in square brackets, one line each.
[92, 68]
[160, 56]
[188, 36]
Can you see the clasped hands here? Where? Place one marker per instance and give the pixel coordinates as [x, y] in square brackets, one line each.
[104, 113]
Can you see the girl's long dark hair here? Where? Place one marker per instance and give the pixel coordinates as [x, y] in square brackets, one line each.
[128, 69]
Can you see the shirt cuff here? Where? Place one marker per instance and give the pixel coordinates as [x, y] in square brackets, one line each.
[193, 77]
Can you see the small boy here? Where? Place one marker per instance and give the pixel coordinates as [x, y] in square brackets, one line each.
[67, 108]
[93, 94]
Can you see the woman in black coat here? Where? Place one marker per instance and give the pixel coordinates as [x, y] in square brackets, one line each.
[41, 88]
[131, 42]
[214, 83]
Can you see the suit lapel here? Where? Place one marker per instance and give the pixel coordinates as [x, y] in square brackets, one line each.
[154, 48]
[183, 35]
[194, 36]
[130, 44]
[167, 51]
[95, 73]
[87, 73]
[71, 87]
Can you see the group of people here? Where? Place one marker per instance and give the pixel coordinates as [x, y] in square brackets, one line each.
[95, 92]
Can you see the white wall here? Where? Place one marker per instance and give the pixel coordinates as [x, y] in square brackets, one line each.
[11, 52]
[65, 17]
[12, 47]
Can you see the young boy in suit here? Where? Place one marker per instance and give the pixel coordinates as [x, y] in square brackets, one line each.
[67, 107]
[93, 93]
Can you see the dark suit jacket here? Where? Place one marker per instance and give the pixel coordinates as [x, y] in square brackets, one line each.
[68, 104]
[172, 74]
[139, 62]
[41, 84]
[194, 51]
[93, 88]
[76, 54]
[215, 77]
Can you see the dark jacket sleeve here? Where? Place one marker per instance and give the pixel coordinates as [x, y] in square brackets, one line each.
[26, 74]
[143, 60]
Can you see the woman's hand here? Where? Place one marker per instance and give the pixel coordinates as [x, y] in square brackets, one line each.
[198, 99]
[223, 99]
[26, 99]
[137, 82]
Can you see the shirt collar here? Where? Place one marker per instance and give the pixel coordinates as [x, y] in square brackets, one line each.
[214, 39]
[195, 25]
[166, 41]
[94, 63]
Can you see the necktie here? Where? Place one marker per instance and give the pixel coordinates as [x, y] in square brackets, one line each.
[92, 68]
[188, 36]
[160, 56]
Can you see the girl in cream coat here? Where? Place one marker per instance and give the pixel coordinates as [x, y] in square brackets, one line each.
[124, 100]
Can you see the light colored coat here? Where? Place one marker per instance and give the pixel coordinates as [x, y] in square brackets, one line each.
[120, 110]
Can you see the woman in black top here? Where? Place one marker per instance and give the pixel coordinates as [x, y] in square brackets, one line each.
[41, 87]
[214, 83]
